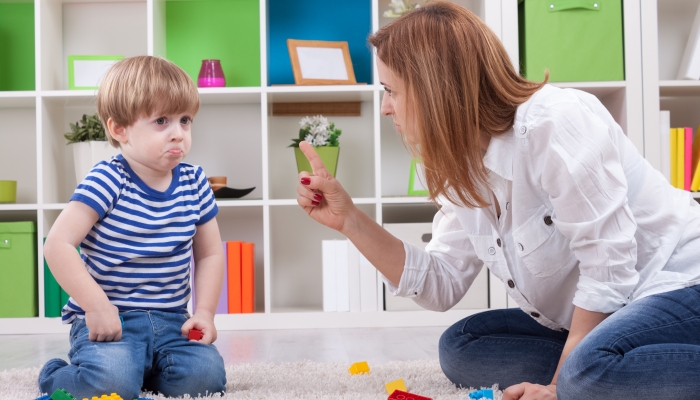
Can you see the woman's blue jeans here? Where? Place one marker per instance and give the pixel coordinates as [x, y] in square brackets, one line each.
[152, 355]
[649, 349]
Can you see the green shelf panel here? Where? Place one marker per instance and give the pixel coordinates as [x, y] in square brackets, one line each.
[17, 46]
[227, 30]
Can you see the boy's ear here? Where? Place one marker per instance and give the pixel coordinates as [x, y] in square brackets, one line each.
[117, 131]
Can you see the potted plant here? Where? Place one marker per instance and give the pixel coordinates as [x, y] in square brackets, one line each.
[402, 7]
[90, 145]
[323, 136]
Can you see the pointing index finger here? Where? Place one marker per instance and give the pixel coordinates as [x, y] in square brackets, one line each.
[316, 164]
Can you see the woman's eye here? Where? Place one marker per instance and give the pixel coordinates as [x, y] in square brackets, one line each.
[161, 121]
[185, 120]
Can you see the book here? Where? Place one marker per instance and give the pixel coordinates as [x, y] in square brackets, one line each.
[687, 158]
[328, 275]
[248, 277]
[665, 130]
[353, 277]
[54, 295]
[680, 158]
[342, 276]
[368, 285]
[234, 277]
[674, 157]
[690, 63]
[222, 306]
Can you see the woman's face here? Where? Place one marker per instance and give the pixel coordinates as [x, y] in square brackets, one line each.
[395, 102]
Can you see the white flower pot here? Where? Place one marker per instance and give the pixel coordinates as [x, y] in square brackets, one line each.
[87, 154]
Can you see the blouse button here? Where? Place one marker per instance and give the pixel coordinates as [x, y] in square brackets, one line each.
[511, 284]
[492, 251]
[548, 220]
[520, 247]
[508, 206]
[534, 314]
[523, 130]
[498, 242]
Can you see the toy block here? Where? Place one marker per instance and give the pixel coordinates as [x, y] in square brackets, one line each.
[396, 385]
[400, 395]
[195, 334]
[44, 397]
[482, 394]
[359, 368]
[144, 398]
[61, 394]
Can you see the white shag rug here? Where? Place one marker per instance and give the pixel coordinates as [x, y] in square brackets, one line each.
[301, 380]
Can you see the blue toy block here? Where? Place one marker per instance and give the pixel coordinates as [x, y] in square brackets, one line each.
[144, 398]
[482, 394]
[45, 397]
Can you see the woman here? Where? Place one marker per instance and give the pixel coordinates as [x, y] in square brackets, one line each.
[541, 186]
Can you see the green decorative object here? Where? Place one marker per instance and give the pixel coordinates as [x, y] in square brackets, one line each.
[228, 31]
[61, 394]
[8, 192]
[576, 40]
[416, 179]
[18, 286]
[17, 62]
[329, 156]
[88, 128]
[85, 72]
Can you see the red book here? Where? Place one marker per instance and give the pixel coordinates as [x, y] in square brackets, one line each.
[248, 277]
[233, 253]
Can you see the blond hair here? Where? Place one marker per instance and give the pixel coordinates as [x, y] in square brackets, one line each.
[140, 86]
[460, 83]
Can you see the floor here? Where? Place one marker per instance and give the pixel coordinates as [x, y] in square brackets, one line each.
[374, 345]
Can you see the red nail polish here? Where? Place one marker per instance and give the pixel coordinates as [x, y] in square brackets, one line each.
[314, 202]
[305, 181]
[318, 197]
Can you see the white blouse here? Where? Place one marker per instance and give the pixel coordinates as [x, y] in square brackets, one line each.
[585, 220]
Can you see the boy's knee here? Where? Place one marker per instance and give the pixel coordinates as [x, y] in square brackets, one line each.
[90, 379]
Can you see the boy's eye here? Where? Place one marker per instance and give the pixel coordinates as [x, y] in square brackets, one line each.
[161, 121]
[185, 120]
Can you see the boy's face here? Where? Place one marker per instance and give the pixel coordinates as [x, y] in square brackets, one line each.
[159, 142]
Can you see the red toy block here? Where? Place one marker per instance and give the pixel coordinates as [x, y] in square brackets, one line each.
[195, 334]
[400, 395]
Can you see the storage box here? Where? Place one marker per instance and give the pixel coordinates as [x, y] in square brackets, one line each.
[576, 40]
[18, 270]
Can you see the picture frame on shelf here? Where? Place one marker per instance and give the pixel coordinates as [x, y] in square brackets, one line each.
[416, 179]
[316, 62]
[86, 72]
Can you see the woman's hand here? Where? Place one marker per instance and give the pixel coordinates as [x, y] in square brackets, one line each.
[321, 195]
[530, 391]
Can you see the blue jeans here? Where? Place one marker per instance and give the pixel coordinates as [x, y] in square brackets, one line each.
[649, 349]
[152, 355]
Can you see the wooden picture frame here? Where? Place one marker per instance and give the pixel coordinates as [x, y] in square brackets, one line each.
[316, 62]
[416, 179]
[86, 72]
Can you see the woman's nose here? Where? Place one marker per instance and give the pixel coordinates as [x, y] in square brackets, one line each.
[386, 109]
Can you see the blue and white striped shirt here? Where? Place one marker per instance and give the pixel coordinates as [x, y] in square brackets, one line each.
[139, 250]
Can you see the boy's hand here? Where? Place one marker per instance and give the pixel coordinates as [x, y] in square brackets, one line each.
[203, 321]
[104, 325]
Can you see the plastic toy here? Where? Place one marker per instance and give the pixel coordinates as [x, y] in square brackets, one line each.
[400, 395]
[144, 398]
[359, 368]
[396, 385]
[112, 396]
[482, 394]
[61, 394]
[45, 397]
[195, 334]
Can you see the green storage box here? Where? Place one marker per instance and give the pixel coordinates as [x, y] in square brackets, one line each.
[576, 40]
[18, 268]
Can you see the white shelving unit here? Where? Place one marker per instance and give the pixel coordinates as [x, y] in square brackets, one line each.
[235, 135]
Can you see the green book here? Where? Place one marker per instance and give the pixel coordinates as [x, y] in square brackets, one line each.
[54, 295]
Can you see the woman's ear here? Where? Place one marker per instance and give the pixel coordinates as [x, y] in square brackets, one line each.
[117, 131]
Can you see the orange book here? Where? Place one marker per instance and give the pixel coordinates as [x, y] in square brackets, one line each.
[233, 250]
[248, 277]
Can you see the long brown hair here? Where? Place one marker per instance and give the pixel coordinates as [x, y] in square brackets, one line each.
[459, 84]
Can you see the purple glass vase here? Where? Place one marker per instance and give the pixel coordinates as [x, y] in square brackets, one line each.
[211, 74]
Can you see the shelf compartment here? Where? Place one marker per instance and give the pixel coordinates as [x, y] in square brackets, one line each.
[296, 265]
[81, 28]
[17, 64]
[355, 165]
[212, 29]
[396, 161]
[679, 88]
[18, 154]
[233, 150]
[318, 20]
[408, 213]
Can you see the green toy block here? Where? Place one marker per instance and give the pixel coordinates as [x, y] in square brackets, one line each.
[61, 394]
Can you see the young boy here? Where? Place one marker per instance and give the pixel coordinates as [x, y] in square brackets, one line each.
[138, 218]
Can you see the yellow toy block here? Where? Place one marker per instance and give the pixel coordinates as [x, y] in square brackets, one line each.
[112, 396]
[396, 385]
[359, 368]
